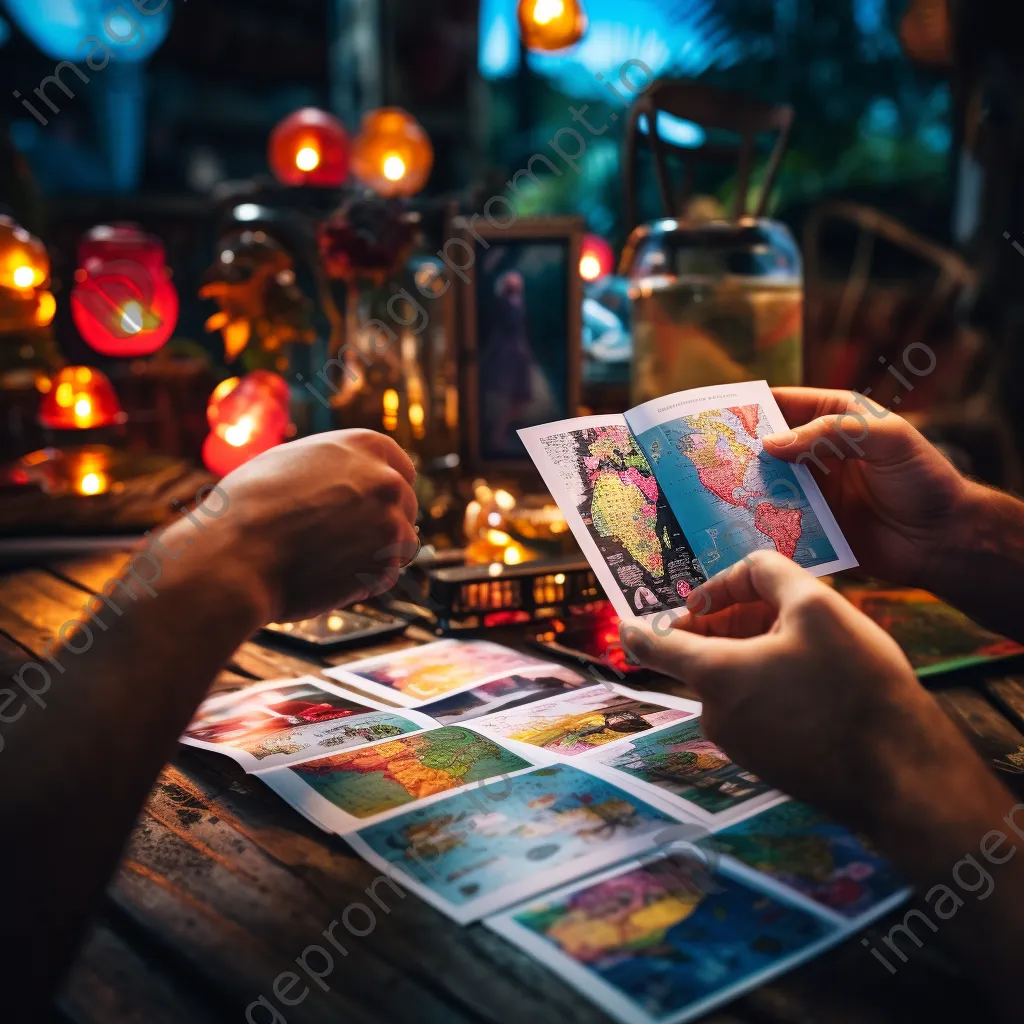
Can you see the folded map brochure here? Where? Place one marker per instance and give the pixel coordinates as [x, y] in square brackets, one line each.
[593, 825]
[672, 492]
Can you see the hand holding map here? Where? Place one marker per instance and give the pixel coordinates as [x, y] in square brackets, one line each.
[674, 491]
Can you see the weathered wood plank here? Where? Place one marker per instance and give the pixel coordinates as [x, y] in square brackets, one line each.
[111, 983]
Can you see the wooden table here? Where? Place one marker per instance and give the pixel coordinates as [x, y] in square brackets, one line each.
[223, 885]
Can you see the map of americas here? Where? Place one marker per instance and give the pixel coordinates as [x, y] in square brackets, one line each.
[712, 463]
[723, 456]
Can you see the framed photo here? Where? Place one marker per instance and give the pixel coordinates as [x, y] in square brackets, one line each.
[521, 332]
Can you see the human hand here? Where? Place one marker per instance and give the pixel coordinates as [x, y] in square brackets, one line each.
[895, 496]
[314, 524]
[804, 690]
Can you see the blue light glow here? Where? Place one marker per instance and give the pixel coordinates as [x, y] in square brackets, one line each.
[678, 37]
[675, 130]
[77, 29]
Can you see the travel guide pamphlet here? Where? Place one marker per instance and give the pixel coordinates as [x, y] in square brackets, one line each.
[670, 493]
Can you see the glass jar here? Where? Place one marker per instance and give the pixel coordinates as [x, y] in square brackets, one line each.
[714, 303]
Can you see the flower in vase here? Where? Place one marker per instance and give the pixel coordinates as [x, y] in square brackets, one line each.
[367, 240]
[253, 283]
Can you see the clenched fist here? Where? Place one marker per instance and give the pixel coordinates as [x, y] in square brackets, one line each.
[314, 524]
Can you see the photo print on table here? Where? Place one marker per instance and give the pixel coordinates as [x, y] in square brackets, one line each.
[350, 790]
[486, 847]
[646, 944]
[577, 723]
[681, 766]
[417, 675]
[285, 720]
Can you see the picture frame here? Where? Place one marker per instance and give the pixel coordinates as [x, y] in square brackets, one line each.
[519, 364]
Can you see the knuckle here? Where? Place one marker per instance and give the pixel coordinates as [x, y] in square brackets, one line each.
[814, 604]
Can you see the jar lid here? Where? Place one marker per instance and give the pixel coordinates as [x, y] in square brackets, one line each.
[672, 249]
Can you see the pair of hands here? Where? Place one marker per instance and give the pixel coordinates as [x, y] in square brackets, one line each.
[798, 685]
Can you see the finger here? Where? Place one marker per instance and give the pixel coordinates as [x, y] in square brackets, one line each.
[409, 505]
[762, 576]
[395, 456]
[841, 425]
[677, 653]
[739, 621]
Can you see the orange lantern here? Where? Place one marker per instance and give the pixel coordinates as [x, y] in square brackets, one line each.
[551, 24]
[247, 416]
[596, 258]
[309, 147]
[80, 398]
[25, 300]
[392, 153]
[123, 302]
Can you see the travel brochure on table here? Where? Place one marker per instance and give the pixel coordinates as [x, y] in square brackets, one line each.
[680, 488]
[553, 807]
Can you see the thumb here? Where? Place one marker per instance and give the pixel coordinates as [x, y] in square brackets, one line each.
[672, 652]
[870, 433]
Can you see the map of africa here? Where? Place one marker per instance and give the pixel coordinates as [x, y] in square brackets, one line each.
[627, 516]
[731, 497]
[378, 778]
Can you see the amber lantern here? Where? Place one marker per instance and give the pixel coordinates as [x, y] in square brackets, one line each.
[247, 416]
[392, 153]
[596, 258]
[551, 24]
[25, 300]
[80, 398]
[309, 147]
[123, 302]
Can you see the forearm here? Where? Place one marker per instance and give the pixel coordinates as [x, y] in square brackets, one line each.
[958, 835]
[978, 566]
[77, 763]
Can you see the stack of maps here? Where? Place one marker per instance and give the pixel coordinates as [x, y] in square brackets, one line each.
[593, 825]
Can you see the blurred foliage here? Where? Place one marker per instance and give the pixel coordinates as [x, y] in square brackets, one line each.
[869, 124]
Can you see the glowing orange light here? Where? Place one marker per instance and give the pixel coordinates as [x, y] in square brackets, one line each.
[79, 398]
[247, 416]
[551, 24]
[309, 147]
[392, 153]
[596, 258]
[24, 263]
[45, 309]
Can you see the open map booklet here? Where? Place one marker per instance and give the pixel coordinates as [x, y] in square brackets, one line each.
[674, 491]
[593, 825]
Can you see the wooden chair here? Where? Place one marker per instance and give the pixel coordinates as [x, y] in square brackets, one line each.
[710, 108]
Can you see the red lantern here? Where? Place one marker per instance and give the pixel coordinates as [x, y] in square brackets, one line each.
[247, 416]
[80, 398]
[596, 258]
[309, 147]
[123, 302]
[392, 153]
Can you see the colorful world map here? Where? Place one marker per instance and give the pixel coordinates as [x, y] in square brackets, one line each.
[731, 497]
[625, 512]
[664, 943]
[378, 778]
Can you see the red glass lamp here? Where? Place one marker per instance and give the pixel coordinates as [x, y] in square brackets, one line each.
[551, 24]
[596, 258]
[392, 153]
[80, 398]
[247, 416]
[309, 147]
[123, 302]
